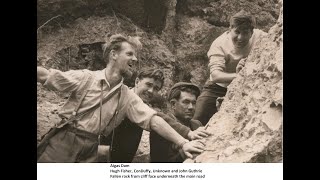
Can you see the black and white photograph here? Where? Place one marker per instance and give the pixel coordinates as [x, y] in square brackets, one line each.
[159, 81]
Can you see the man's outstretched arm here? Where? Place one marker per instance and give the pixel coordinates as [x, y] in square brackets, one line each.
[166, 131]
[222, 77]
[183, 130]
[177, 126]
[42, 74]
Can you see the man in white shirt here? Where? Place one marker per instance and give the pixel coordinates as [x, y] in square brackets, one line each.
[227, 56]
[78, 141]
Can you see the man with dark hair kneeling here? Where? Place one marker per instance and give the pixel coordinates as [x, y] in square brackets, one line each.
[182, 97]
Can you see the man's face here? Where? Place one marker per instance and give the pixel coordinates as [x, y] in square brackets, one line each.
[146, 87]
[126, 59]
[184, 107]
[240, 36]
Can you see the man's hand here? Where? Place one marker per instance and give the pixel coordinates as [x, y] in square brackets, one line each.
[240, 64]
[192, 147]
[42, 74]
[198, 134]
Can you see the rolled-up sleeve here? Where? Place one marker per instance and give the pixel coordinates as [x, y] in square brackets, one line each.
[140, 113]
[216, 57]
[64, 81]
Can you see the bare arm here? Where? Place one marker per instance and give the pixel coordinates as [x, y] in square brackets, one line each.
[166, 131]
[217, 66]
[222, 77]
[42, 74]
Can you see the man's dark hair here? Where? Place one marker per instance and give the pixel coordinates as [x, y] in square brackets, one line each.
[156, 74]
[243, 20]
[176, 90]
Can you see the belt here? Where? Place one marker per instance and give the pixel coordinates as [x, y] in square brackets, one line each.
[81, 132]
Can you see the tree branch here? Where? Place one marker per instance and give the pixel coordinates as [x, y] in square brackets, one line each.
[47, 22]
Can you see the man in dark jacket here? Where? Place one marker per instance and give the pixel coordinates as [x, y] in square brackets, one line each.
[126, 137]
[182, 97]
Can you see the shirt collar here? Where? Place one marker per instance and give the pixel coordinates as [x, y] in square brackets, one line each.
[101, 75]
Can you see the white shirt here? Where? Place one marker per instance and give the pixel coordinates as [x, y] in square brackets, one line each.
[224, 56]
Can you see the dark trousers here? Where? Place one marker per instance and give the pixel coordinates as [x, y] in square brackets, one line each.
[206, 102]
[70, 145]
[161, 150]
[126, 140]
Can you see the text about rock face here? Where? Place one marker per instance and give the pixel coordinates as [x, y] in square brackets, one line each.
[124, 171]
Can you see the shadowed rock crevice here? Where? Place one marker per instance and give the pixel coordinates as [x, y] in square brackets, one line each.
[83, 56]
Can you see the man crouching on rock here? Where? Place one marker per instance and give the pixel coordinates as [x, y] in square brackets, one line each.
[98, 103]
[227, 56]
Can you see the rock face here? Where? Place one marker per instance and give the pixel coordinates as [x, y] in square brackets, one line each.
[218, 12]
[248, 127]
[176, 35]
[69, 10]
[193, 39]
